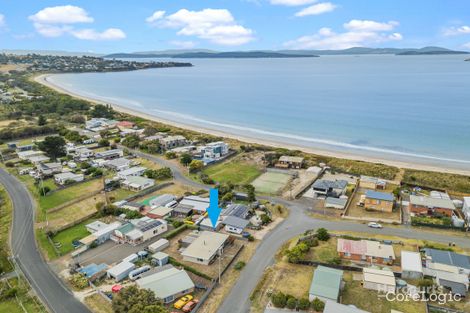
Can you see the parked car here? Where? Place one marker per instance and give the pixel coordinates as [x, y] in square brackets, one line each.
[374, 225]
[182, 302]
[190, 306]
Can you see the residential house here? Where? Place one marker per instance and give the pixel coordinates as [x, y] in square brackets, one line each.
[466, 208]
[213, 150]
[460, 261]
[83, 153]
[182, 211]
[95, 226]
[329, 188]
[125, 125]
[119, 164]
[48, 169]
[160, 258]
[99, 124]
[411, 265]
[137, 183]
[235, 224]
[26, 155]
[372, 252]
[198, 204]
[424, 205]
[140, 230]
[160, 212]
[379, 201]
[24, 148]
[171, 142]
[110, 154]
[455, 283]
[286, 161]
[205, 248]
[68, 177]
[133, 171]
[236, 209]
[39, 159]
[373, 183]
[168, 283]
[162, 200]
[133, 206]
[326, 284]
[101, 235]
[206, 224]
[379, 280]
[120, 271]
[336, 203]
[334, 307]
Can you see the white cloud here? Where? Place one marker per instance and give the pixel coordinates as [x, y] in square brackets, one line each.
[66, 14]
[292, 2]
[317, 9]
[359, 33]
[2, 20]
[60, 20]
[183, 44]
[215, 25]
[467, 45]
[157, 15]
[372, 26]
[91, 34]
[454, 31]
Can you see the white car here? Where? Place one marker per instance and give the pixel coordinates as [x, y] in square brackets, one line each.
[374, 225]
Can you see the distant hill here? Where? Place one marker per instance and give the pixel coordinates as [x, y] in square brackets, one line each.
[50, 52]
[204, 53]
[212, 55]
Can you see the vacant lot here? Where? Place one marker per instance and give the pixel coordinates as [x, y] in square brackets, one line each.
[98, 304]
[271, 182]
[450, 182]
[62, 196]
[237, 170]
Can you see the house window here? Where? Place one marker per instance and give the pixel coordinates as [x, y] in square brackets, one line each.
[200, 260]
[347, 254]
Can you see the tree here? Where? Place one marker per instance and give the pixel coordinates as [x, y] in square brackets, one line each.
[135, 300]
[100, 110]
[170, 155]
[53, 146]
[265, 219]
[79, 281]
[227, 197]
[104, 142]
[322, 234]
[185, 159]
[279, 300]
[196, 165]
[161, 173]
[250, 191]
[318, 305]
[150, 131]
[42, 120]
[73, 136]
[131, 141]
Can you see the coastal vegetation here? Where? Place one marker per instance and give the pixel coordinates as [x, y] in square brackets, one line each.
[437, 180]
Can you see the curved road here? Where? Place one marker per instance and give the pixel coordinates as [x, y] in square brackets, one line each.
[237, 301]
[49, 288]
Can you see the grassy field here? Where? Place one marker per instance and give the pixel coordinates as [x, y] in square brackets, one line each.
[45, 246]
[98, 304]
[66, 236]
[236, 171]
[6, 213]
[271, 182]
[450, 182]
[68, 194]
[363, 168]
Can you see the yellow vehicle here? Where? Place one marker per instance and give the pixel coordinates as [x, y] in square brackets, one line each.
[182, 301]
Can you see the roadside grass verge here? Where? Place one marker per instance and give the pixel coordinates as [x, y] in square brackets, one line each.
[236, 171]
[44, 244]
[98, 304]
[24, 302]
[6, 214]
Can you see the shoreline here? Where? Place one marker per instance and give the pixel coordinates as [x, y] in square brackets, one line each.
[43, 80]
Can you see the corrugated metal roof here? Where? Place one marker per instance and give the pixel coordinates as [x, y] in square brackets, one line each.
[385, 196]
[167, 283]
[326, 283]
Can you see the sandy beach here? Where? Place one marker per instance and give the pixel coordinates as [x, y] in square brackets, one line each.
[43, 79]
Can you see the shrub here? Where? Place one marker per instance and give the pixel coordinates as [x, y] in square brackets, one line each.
[291, 303]
[239, 265]
[9, 164]
[318, 305]
[170, 155]
[279, 300]
[79, 281]
[303, 304]
[322, 234]
[265, 219]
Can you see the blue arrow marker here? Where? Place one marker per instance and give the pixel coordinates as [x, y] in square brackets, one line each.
[213, 210]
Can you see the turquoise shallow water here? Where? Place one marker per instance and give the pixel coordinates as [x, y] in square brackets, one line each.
[409, 108]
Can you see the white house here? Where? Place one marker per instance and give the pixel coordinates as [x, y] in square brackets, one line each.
[137, 183]
[133, 171]
[466, 208]
[83, 153]
[214, 150]
[235, 224]
[25, 155]
[140, 230]
[47, 169]
[65, 177]
[171, 142]
[198, 204]
[110, 154]
[411, 265]
[379, 280]
[119, 164]
[120, 271]
[205, 248]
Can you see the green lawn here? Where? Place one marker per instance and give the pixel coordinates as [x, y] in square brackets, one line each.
[236, 171]
[60, 197]
[11, 305]
[45, 245]
[66, 236]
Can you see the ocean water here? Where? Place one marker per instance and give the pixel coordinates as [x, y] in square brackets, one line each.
[407, 108]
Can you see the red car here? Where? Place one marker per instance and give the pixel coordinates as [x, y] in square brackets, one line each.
[190, 306]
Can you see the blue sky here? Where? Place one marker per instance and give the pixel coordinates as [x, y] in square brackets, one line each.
[145, 25]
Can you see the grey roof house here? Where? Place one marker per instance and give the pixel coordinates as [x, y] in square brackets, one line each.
[330, 188]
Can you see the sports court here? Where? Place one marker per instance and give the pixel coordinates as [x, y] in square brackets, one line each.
[271, 182]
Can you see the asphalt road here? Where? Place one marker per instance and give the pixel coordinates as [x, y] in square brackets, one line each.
[237, 301]
[49, 288]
